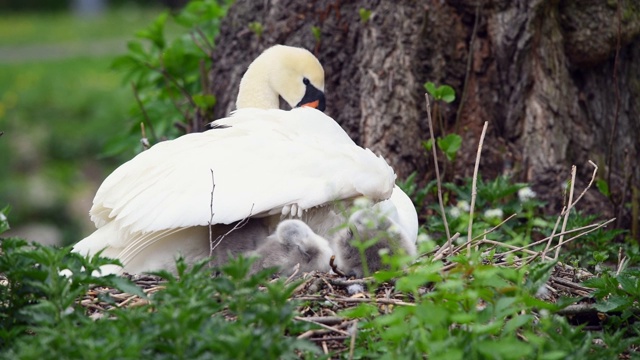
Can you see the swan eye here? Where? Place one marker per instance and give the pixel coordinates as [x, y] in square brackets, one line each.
[306, 81]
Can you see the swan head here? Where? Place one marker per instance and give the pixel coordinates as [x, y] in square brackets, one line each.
[283, 71]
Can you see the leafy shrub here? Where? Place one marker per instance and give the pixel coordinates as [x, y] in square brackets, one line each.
[169, 75]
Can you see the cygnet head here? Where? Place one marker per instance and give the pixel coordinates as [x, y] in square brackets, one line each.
[293, 243]
[289, 72]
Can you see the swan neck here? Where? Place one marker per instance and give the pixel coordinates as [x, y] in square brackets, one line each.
[255, 90]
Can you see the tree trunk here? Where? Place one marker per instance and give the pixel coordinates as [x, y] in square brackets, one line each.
[558, 81]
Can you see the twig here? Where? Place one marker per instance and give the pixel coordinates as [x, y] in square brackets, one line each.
[213, 187]
[145, 116]
[440, 253]
[568, 210]
[334, 267]
[474, 188]
[495, 227]
[593, 177]
[296, 269]
[591, 228]
[239, 225]
[553, 233]
[354, 333]
[342, 332]
[144, 141]
[435, 164]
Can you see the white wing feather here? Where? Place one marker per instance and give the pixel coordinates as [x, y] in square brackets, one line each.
[264, 161]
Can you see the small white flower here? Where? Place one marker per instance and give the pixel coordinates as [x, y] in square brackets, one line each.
[455, 212]
[526, 194]
[423, 237]
[3, 217]
[463, 205]
[494, 214]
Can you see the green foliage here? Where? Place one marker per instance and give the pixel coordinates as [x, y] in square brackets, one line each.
[317, 33]
[257, 28]
[231, 315]
[449, 145]
[603, 187]
[495, 200]
[189, 319]
[472, 311]
[441, 93]
[36, 296]
[365, 14]
[168, 76]
[416, 193]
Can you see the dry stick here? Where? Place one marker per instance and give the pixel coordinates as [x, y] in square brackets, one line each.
[495, 227]
[474, 188]
[518, 248]
[144, 141]
[435, 163]
[553, 234]
[568, 210]
[239, 225]
[213, 187]
[440, 253]
[299, 318]
[467, 243]
[523, 249]
[144, 111]
[354, 333]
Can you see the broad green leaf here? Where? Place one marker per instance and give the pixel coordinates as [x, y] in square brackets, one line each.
[630, 284]
[450, 145]
[446, 93]
[603, 187]
[431, 89]
[614, 303]
[155, 31]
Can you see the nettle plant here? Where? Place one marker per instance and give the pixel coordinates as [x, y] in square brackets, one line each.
[202, 312]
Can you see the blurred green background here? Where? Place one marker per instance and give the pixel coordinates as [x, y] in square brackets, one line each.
[60, 106]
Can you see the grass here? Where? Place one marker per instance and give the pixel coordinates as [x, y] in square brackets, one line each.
[59, 110]
[60, 27]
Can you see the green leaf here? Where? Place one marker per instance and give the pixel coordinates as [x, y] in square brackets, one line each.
[446, 93]
[517, 322]
[504, 349]
[317, 33]
[365, 14]
[630, 284]
[155, 31]
[204, 101]
[614, 303]
[125, 285]
[603, 187]
[431, 89]
[450, 145]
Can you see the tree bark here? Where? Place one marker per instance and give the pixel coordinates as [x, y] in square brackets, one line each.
[557, 80]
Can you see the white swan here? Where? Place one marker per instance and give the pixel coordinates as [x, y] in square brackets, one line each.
[264, 162]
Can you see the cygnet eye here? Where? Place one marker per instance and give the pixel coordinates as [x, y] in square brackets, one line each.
[306, 81]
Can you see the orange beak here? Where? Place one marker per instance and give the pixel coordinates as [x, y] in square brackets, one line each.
[313, 104]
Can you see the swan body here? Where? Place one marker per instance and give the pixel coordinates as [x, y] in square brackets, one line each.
[258, 165]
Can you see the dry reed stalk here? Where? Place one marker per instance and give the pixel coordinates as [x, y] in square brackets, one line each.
[474, 189]
[435, 163]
